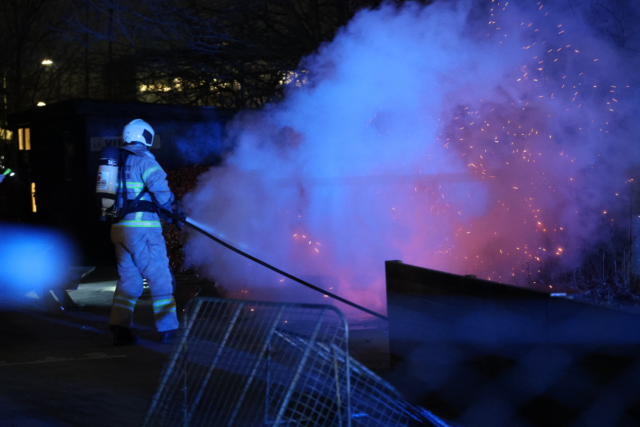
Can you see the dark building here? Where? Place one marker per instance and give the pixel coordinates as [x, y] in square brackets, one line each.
[59, 146]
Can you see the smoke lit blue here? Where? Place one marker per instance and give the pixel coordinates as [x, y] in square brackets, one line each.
[202, 144]
[468, 137]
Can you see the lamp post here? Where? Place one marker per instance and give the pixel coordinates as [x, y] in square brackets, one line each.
[48, 64]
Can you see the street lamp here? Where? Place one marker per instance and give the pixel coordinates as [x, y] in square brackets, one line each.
[47, 63]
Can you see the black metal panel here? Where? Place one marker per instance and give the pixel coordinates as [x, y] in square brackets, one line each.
[484, 353]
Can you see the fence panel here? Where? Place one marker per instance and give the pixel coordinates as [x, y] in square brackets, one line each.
[254, 363]
[246, 363]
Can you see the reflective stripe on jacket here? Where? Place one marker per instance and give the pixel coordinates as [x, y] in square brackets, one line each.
[142, 170]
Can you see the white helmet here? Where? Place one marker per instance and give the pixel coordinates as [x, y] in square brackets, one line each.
[138, 131]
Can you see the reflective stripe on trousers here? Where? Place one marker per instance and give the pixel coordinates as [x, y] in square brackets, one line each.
[141, 252]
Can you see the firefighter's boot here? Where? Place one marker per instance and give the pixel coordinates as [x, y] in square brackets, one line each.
[167, 337]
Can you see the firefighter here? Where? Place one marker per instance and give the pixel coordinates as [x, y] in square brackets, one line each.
[137, 236]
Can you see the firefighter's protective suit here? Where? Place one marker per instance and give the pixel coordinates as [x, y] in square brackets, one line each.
[140, 246]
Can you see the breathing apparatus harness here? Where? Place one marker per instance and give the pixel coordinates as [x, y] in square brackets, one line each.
[137, 205]
[112, 212]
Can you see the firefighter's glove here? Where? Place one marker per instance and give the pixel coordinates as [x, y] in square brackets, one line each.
[164, 211]
[179, 215]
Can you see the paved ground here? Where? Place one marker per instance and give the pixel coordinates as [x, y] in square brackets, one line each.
[62, 369]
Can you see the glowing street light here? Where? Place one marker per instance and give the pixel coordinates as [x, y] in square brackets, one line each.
[41, 104]
[47, 62]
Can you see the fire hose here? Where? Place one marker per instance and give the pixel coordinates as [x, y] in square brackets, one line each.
[177, 218]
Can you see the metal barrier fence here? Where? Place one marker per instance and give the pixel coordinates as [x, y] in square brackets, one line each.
[244, 363]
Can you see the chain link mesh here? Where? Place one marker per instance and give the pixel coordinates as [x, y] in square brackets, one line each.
[243, 363]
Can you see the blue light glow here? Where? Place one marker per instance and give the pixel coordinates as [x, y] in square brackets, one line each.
[32, 258]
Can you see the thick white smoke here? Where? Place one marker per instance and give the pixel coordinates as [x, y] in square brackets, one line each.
[470, 139]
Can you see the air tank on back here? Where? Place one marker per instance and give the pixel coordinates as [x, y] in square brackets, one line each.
[107, 185]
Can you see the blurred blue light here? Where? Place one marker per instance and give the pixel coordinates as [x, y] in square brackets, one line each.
[33, 258]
